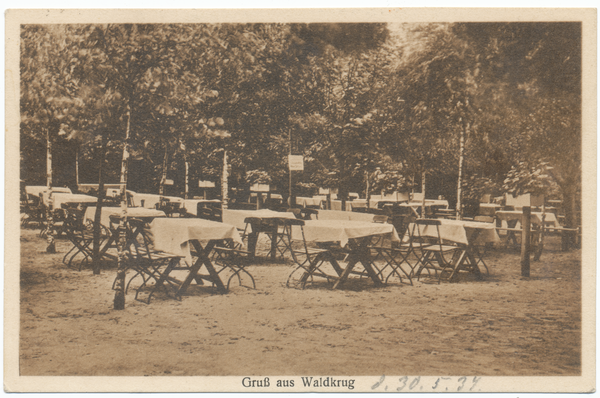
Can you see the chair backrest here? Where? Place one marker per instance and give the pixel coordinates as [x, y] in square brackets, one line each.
[145, 238]
[307, 213]
[422, 225]
[296, 211]
[380, 219]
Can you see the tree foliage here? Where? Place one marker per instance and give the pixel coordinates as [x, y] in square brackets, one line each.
[352, 98]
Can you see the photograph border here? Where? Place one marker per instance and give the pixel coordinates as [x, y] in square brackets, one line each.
[13, 382]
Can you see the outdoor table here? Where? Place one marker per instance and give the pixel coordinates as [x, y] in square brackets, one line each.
[344, 216]
[356, 235]
[60, 198]
[511, 221]
[512, 218]
[191, 205]
[238, 217]
[488, 209]
[337, 205]
[305, 201]
[149, 200]
[180, 235]
[137, 212]
[467, 234]
[144, 214]
[36, 190]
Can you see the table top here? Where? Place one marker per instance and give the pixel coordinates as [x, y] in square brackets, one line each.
[343, 230]
[461, 231]
[36, 190]
[305, 201]
[536, 217]
[237, 217]
[139, 212]
[58, 198]
[191, 205]
[344, 216]
[494, 205]
[173, 234]
[430, 202]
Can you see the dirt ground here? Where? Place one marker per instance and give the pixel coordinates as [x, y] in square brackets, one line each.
[502, 325]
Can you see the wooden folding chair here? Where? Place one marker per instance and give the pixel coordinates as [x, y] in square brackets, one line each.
[82, 237]
[308, 260]
[435, 252]
[150, 264]
[233, 260]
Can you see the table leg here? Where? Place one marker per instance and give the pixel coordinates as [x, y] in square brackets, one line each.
[213, 276]
[274, 237]
[359, 252]
[252, 240]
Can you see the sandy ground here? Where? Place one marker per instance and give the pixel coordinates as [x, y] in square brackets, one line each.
[503, 325]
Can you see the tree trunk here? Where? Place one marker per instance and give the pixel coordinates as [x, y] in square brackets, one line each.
[423, 189]
[461, 158]
[163, 180]
[77, 168]
[187, 177]
[342, 187]
[224, 186]
[368, 192]
[51, 247]
[101, 194]
[123, 258]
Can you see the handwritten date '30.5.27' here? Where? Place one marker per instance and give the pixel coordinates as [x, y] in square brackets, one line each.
[407, 384]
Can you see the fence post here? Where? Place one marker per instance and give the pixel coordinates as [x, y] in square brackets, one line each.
[525, 240]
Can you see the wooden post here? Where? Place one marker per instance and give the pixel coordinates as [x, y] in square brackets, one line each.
[525, 241]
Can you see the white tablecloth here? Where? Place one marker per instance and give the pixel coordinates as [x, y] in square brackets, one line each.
[344, 216]
[304, 201]
[173, 234]
[342, 231]
[150, 200]
[115, 192]
[337, 205]
[36, 190]
[488, 209]
[90, 213]
[60, 198]
[510, 215]
[237, 217]
[191, 205]
[430, 202]
[460, 231]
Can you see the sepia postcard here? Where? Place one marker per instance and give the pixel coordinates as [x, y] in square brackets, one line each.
[374, 200]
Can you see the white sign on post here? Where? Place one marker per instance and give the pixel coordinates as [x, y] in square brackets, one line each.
[296, 162]
[206, 184]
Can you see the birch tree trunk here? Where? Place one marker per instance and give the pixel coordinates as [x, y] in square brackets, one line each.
[461, 158]
[77, 168]
[51, 247]
[101, 193]
[123, 257]
[187, 177]
[224, 185]
[423, 189]
[163, 180]
[368, 192]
